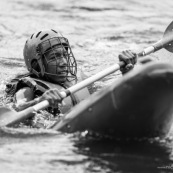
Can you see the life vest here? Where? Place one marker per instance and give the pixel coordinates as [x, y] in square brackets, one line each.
[69, 101]
[40, 86]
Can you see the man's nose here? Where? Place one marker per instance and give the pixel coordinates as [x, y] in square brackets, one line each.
[63, 61]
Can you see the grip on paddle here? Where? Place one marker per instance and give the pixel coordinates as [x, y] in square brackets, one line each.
[41, 105]
[44, 104]
[65, 93]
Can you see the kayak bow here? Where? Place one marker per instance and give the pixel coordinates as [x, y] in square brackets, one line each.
[138, 105]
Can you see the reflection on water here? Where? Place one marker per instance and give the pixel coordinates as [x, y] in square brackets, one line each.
[51, 152]
[126, 156]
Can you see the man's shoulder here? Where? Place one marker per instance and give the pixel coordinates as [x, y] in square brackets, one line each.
[81, 75]
[84, 75]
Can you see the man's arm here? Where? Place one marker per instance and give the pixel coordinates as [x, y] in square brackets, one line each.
[25, 98]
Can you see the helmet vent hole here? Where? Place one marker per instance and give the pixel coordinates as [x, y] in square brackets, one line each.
[54, 31]
[44, 36]
[32, 36]
[38, 34]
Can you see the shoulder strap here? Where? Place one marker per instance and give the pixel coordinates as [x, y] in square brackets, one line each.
[17, 83]
[29, 82]
[73, 98]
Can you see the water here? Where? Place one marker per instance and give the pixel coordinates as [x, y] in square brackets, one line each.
[32, 151]
[97, 30]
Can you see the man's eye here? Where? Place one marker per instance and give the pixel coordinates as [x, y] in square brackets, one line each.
[48, 50]
[52, 58]
[58, 54]
[55, 46]
[65, 54]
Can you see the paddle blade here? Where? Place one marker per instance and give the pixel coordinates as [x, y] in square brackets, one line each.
[9, 117]
[168, 37]
[5, 115]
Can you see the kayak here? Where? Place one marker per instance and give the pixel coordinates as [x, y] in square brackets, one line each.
[140, 104]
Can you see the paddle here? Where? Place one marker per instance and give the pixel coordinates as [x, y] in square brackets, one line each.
[9, 117]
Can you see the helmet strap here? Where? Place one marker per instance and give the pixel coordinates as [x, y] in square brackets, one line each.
[42, 68]
[33, 71]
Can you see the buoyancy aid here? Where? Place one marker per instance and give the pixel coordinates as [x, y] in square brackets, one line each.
[40, 86]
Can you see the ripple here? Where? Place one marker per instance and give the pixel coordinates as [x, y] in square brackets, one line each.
[12, 62]
[95, 9]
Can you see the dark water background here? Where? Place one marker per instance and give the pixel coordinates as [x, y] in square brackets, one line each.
[97, 30]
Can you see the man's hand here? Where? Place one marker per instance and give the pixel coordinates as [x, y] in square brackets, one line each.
[129, 58]
[53, 96]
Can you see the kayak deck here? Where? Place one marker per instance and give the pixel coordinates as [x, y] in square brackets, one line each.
[140, 104]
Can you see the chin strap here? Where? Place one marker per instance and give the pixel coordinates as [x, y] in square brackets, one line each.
[38, 74]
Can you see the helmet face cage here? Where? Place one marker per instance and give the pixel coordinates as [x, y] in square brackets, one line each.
[49, 46]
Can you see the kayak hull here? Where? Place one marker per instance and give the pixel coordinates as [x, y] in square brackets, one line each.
[140, 104]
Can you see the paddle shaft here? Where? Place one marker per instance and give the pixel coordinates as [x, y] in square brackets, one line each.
[155, 47]
[82, 84]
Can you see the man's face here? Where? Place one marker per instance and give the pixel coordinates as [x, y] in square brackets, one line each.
[55, 62]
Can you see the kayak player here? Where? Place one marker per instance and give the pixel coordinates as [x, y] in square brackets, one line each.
[52, 68]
